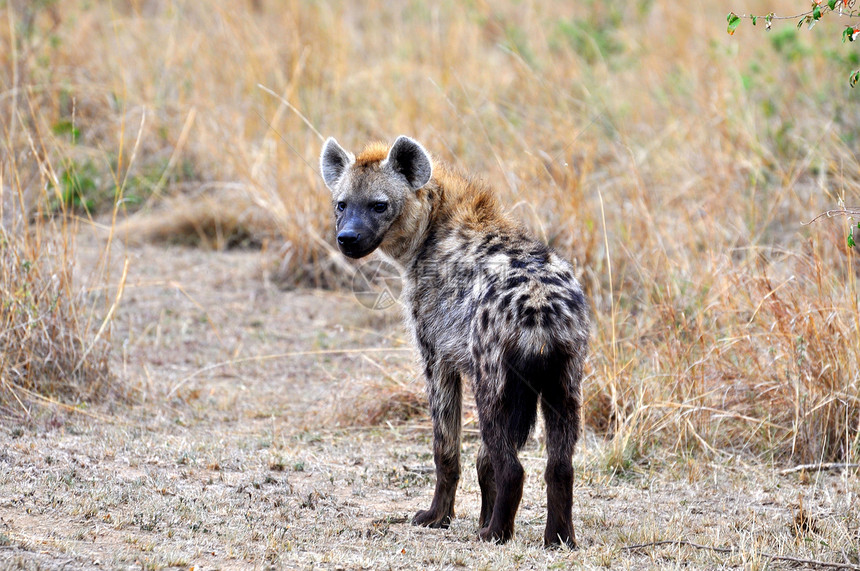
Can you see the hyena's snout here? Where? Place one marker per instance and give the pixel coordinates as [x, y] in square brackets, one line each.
[348, 238]
[350, 242]
[356, 238]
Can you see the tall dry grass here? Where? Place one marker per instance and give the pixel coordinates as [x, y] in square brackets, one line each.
[674, 162]
[53, 344]
[49, 349]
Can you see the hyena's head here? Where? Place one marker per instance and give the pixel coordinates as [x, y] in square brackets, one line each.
[371, 191]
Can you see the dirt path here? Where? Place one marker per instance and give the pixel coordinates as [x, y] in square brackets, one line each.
[246, 451]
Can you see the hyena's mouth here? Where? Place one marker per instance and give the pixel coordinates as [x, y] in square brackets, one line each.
[356, 251]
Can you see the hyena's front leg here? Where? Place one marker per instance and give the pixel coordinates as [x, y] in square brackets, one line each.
[444, 390]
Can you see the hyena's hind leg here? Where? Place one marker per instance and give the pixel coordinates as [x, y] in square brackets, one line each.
[444, 387]
[487, 481]
[506, 421]
[561, 411]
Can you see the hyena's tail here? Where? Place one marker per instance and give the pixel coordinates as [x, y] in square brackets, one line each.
[528, 377]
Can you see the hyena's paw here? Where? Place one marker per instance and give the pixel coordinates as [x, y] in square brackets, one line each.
[559, 539]
[486, 514]
[429, 518]
[491, 535]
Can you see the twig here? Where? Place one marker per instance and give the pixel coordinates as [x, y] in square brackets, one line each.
[819, 467]
[261, 358]
[809, 562]
[171, 162]
[293, 109]
[107, 318]
[677, 542]
[847, 211]
[47, 401]
[824, 10]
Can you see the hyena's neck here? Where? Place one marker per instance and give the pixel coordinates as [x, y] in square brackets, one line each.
[404, 240]
[448, 201]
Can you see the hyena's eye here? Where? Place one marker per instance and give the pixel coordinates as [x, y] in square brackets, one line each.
[380, 207]
[341, 206]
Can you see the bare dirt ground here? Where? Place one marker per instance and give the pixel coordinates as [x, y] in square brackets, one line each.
[248, 447]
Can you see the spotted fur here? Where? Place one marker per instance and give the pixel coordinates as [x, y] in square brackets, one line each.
[484, 300]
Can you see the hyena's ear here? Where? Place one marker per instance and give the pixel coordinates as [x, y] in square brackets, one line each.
[334, 161]
[408, 158]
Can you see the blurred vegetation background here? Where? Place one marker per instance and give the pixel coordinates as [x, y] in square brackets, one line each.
[675, 163]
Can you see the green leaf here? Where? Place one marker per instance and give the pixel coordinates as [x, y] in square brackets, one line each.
[734, 21]
[66, 127]
[816, 12]
[855, 77]
[754, 18]
[851, 242]
[831, 4]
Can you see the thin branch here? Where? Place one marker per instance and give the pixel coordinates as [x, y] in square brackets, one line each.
[847, 211]
[824, 9]
[808, 562]
[677, 542]
[261, 358]
[819, 467]
[108, 317]
[47, 401]
[292, 108]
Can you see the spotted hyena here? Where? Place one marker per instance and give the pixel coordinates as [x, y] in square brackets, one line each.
[483, 299]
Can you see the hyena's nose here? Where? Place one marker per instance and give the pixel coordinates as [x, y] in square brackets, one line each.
[348, 237]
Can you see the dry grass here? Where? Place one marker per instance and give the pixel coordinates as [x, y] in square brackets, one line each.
[676, 164]
[50, 350]
[54, 333]
[234, 460]
[213, 220]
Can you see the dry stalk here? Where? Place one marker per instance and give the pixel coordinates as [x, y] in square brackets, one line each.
[732, 550]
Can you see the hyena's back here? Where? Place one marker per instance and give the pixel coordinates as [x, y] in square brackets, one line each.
[490, 298]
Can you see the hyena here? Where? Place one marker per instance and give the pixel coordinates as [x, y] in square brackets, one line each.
[484, 300]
